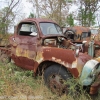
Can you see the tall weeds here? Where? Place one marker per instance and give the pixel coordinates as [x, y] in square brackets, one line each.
[19, 84]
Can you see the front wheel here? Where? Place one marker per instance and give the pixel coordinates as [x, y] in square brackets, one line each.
[56, 78]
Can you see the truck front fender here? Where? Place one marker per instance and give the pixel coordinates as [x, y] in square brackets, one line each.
[62, 56]
[65, 57]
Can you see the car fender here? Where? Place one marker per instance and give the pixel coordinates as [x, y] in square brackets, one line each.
[64, 57]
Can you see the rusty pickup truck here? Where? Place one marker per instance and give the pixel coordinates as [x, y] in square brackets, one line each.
[39, 45]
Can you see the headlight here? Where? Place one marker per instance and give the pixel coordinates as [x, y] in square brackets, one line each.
[50, 42]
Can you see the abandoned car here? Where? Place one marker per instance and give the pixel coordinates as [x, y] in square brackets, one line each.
[79, 34]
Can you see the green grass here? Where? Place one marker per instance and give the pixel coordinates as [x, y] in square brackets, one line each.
[18, 84]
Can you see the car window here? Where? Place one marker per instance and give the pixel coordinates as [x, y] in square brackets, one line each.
[27, 28]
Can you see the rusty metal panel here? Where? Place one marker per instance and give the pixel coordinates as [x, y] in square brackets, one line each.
[80, 29]
[60, 54]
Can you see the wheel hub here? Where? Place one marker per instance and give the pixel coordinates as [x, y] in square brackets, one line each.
[57, 85]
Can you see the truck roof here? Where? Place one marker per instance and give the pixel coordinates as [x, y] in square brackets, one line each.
[37, 20]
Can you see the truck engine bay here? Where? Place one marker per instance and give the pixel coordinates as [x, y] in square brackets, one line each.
[61, 42]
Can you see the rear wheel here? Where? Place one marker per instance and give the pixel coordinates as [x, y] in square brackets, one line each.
[56, 78]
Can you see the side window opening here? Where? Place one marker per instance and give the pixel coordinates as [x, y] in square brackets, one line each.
[27, 28]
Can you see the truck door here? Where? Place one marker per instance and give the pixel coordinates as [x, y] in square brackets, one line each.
[25, 45]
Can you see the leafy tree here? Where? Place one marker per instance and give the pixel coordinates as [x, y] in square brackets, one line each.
[87, 10]
[56, 10]
[5, 21]
[70, 20]
[86, 18]
[7, 15]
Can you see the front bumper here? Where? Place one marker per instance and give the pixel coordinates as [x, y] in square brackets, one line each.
[95, 86]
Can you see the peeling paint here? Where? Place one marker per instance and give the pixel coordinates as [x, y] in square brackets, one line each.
[25, 53]
[39, 57]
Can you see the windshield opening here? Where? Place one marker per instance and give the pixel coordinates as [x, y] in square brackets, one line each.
[50, 28]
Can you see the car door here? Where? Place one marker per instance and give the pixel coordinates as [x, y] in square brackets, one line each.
[25, 45]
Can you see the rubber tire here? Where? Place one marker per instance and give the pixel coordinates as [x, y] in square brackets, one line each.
[56, 69]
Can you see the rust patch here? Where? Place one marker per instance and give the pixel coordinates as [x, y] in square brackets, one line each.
[39, 57]
[78, 64]
[23, 62]
[79, 29]
[25, 53]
